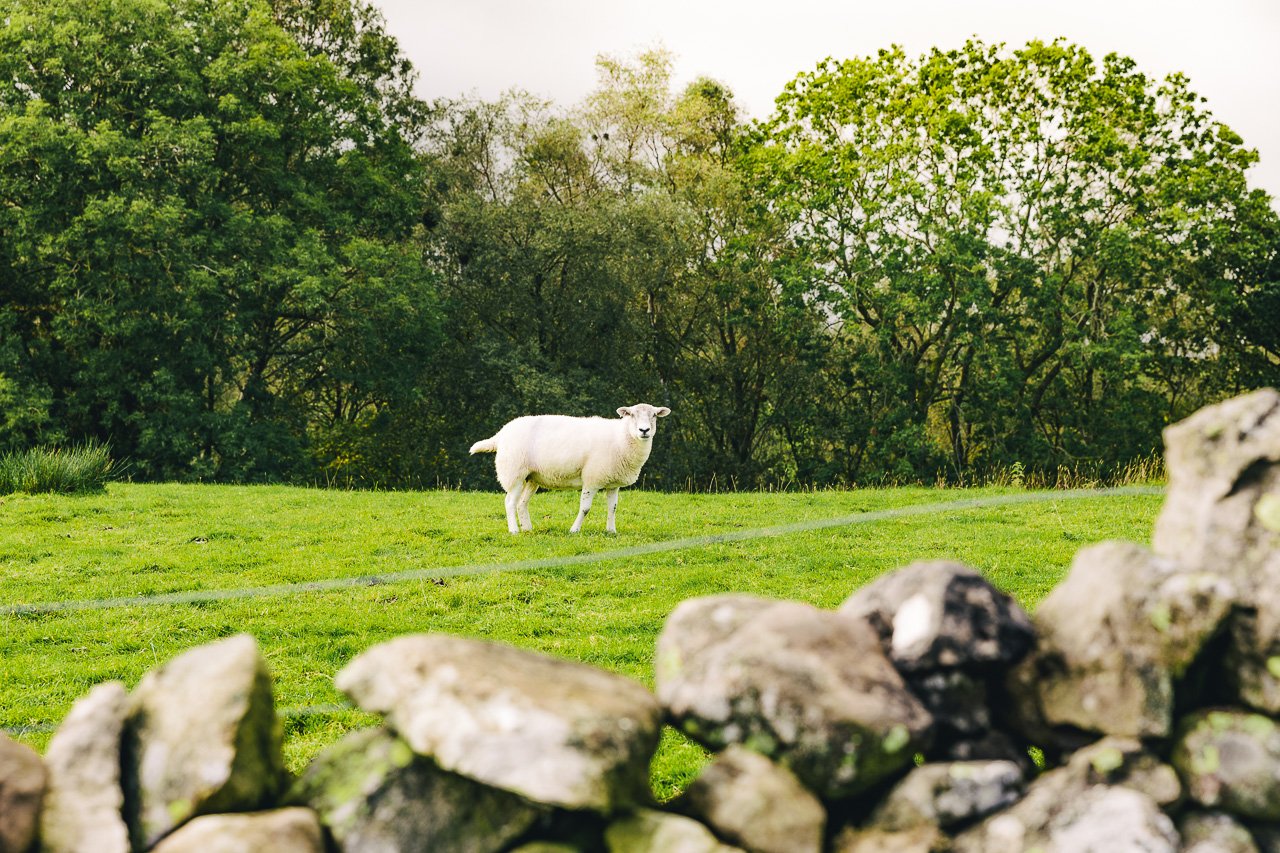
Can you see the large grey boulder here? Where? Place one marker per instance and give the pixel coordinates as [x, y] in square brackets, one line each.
[83, 808]
[948, 794]
[756, 804]
[1214, 832]
[23, 779]
[1109, 796]
[939, 615]
[1222, 514]
[375, 795]
[809, 688]
[649, 831]
[201, 737]
[294, 830]
[1222, 509]
[1116, 637]
[1230, 761]
[949, 631]
[555, 731]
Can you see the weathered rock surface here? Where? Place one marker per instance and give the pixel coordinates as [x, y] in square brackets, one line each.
[1230, 760]
[948, 631]
[806, 687]
[756, 804]
[939, 614]
[201, 737]
[1115, 637]
[1112, 784]
[375, 794]
[1097, 819]
[919, 839]
[293, 830]
[1214, 832]
[555, 731]
[83, 807]
[946, 795]
[1222, 514]
[23, 779]
[649, 831]
[1222, 509]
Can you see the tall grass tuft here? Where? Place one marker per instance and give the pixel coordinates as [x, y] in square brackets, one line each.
[68, 470]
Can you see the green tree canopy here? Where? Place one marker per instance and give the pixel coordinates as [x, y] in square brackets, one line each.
[1028, 255]
[205, 210]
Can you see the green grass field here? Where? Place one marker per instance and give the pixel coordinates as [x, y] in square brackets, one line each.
[144, 540]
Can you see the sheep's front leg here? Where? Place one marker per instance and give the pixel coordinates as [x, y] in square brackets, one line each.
[522, 506]
[512, 497]
[584, 507]
[609, 526]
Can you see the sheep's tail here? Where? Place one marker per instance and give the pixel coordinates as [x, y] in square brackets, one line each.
[489, 445]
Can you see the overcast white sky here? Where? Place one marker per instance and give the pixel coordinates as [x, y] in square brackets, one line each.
[1230, 49]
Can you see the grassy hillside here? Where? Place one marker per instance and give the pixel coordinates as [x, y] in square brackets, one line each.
[66, 554]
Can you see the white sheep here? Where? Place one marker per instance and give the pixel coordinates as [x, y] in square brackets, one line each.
[562, 452]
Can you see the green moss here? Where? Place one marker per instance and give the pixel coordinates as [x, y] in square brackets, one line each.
[896, 739]
[1106, 761]
[1267, 510]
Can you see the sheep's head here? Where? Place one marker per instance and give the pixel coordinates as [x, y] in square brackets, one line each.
[642, 419]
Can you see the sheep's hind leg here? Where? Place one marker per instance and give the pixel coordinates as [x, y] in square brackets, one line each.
[522, 506]
[513, 495]
[584, 507]
[609, 526]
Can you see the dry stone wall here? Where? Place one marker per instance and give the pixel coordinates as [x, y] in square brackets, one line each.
[1148, 681]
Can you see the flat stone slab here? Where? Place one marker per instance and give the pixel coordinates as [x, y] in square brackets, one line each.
[555, 731]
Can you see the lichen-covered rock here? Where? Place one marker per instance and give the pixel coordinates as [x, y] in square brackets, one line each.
[1222, 509]
[1114, 782]
[946, 795]
[1115, 638]
[555, 731]
[201, 737]
[939, 615]
[374, 794]
[23, 779]
[1214, 832]
[949, 632]
[756, 804]
[1230, 760]
[83, 807]
[1222, 515]
[649, 831]
[1253, 657]
[806, 687]
[1099, 819]
[294, 830]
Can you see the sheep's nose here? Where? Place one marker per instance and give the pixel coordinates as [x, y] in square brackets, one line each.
[644, 430]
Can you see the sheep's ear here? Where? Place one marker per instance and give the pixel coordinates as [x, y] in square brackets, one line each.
[623, 411]
[662, 411]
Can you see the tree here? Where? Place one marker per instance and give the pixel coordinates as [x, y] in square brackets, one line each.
[1025, 253]
[206, 204]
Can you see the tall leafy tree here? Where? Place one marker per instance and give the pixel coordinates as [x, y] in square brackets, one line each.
[207, 206]
[1026, 252]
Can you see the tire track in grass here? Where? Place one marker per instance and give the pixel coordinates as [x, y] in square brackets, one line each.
[332, 584]
[546, 562]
